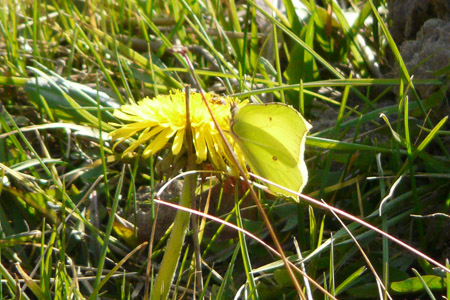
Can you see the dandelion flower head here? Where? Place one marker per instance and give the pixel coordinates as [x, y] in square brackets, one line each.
[163, 118]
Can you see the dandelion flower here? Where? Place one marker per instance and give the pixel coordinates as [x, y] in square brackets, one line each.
[163, 118]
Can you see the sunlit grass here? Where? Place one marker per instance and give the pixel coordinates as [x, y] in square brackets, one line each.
[74, 214]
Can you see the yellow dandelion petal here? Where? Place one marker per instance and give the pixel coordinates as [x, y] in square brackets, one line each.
[158, 142]
[146, 135]
[178, 141]
[129, 130]
[200, 144]
[122, 135]
[142, 139]
[216, 156]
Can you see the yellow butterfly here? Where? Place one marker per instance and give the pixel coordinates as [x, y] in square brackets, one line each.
[272, 138]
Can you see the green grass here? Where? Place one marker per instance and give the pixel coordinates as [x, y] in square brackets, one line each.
[375, 154]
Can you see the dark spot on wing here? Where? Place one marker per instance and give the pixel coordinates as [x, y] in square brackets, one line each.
[274, 158]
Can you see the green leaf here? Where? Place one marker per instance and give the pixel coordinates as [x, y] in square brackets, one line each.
[414, 284]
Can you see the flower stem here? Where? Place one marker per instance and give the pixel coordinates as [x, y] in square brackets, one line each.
[172, 254]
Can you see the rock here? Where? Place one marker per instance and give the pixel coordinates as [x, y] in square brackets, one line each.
[421, 29]
[408, 16]
[428, 53]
